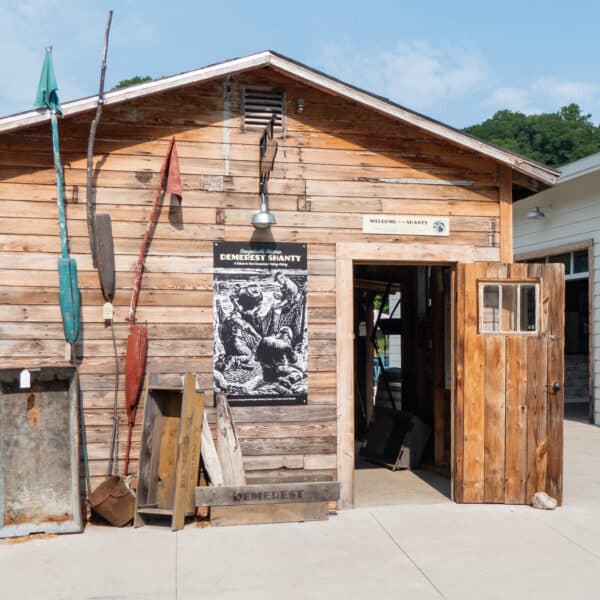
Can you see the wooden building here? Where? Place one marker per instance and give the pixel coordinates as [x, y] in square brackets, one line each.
[481, 337]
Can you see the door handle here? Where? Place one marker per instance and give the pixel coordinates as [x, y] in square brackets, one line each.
[556, 387]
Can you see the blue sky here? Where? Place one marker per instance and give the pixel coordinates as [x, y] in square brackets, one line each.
[456, 61]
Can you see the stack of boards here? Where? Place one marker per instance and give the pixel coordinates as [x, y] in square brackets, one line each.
[176, 434]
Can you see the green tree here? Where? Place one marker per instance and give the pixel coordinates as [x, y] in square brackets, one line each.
[550, 138]
[133, 81]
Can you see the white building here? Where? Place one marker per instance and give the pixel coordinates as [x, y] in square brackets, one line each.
[562, 224]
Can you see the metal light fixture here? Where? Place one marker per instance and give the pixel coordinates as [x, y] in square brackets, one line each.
[263, 219]
[535, 213]
[300, 105]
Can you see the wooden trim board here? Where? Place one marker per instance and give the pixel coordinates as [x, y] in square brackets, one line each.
[506, 214]
[271, 493]
[271, 513]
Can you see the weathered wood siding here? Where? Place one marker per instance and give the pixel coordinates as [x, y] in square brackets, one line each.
[336, 162]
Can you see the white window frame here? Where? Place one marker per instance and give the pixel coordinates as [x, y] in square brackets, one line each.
[517, 284]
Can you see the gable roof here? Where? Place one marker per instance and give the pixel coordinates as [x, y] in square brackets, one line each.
[530, 168]
[578, 168]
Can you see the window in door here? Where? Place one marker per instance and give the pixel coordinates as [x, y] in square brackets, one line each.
[509, 308]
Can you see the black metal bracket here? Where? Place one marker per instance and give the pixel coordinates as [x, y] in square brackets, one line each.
[267, 152]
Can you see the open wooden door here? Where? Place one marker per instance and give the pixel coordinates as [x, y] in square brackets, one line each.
[508, 410]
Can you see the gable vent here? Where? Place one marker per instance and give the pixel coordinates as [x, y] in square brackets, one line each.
[260, 104]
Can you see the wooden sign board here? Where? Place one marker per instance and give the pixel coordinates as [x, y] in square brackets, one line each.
[274, 493]
[406, 225]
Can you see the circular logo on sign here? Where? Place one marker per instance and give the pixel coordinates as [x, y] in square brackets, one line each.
[439, 226]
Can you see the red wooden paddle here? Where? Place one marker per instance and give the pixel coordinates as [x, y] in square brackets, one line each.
[137, 341]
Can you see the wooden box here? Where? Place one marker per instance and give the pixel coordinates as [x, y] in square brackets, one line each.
[170, 453]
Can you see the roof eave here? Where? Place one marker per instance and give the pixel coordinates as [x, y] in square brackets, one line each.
[538, 171]
[34, 117]
[384, 106]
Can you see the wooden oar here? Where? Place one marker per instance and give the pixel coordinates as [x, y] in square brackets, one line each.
[137, 341]
[68, 290]
[68, 294]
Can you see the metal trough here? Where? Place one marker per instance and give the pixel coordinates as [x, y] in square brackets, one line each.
[39, 452]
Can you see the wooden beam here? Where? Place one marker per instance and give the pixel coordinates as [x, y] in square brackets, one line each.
[188, 451]
[506, 222]
[528, 182]
[345, 380]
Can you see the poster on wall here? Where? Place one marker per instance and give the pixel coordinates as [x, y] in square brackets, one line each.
[260, 322]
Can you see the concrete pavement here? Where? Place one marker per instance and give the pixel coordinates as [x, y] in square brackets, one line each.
[414, 550]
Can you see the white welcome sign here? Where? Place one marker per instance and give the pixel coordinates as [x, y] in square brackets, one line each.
[406, 225]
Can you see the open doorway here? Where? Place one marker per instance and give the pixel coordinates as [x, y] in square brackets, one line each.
[577, 358]
[402, 383]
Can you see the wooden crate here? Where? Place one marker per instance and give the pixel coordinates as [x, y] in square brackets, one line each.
[170, 454]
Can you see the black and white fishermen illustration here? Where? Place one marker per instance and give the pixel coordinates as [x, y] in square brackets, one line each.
[260, 344]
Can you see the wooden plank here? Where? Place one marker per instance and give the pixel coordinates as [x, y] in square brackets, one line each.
[148, 454]
[188, 452]
[280, 414]
[290, 476]
[473, 400]
[285, 462]
[410, 252]
[167, 452]
[516, 420]
[456, 367]
[320, 461]
[274, 493]
[555, 289]
[495, 420]
[506, 220]
[228, 446]
[537, 371]
[461, 243]
[210, 458]
[271, 513]
[285, 430]
[271, 446]
[338, 220]
[345, 377]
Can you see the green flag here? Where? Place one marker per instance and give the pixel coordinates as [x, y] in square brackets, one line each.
[47, 96]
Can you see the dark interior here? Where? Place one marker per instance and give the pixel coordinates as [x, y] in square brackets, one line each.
[402, 382]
